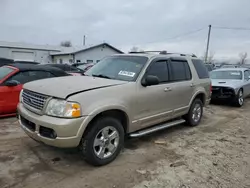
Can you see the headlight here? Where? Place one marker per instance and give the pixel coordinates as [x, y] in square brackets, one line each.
[62, 108]
[20, 96]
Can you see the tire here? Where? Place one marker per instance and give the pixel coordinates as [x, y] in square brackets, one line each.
[106, 149]
[239, 99]
[194, 119]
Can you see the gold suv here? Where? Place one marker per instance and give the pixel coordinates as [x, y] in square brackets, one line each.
[123, 95]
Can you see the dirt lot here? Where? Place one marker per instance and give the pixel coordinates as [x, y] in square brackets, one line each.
[214, 154]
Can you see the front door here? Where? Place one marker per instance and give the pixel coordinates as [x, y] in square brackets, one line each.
[154, 103]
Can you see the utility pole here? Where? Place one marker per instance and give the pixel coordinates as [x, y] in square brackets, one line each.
[208, 40]
[84, 40]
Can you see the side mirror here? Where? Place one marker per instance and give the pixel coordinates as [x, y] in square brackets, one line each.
[11, 83]
[150, 80]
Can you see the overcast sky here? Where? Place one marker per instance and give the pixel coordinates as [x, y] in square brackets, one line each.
[148, 24]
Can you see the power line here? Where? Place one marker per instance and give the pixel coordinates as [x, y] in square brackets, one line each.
[180, 35]
[232, 28]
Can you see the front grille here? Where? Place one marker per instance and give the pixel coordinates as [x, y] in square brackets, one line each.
[222, 91]
[34, 100]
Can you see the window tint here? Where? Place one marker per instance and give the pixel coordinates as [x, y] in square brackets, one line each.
[160, 70]
[28, 76]
[4, 71]
[180, 71]
[200, 68]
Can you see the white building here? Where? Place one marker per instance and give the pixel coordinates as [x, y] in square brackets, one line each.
[90, 54]
[55, 54]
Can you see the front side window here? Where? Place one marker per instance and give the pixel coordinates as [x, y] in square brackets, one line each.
[5, 71]
[160, 70]
[126, 68]
[246, 75]
[180, 71]
[226, 74]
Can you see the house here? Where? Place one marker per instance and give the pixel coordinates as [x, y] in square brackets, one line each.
[89, 54]
[55, 54]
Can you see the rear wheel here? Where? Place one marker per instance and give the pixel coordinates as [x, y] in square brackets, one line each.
[239, 98]
[195, 113]
[103, 142]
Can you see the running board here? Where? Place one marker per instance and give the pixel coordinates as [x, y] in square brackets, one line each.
[155, 128]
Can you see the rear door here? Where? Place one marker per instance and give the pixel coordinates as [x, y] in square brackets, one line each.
[181, 84]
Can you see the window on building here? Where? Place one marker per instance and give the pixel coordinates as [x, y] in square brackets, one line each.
[60, 61]
[78, 61]
[90, 61]
[97, 61]
[70, 61]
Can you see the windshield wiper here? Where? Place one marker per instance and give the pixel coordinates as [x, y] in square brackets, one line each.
[101, 76]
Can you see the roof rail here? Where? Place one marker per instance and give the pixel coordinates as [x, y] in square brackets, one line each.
[164, 52]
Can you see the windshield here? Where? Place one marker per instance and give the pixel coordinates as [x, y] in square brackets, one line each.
[4, 71]
[126, 68]
[230, 74]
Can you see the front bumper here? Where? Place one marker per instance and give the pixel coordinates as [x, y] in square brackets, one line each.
[58, 132]
[223, 93]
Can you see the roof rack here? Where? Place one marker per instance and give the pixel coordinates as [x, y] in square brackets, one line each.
[163, 52]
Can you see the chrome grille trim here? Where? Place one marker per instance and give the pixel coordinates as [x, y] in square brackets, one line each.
[34, 100]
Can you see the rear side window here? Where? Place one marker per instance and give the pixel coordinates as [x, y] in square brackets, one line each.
[200, 68]
[4, 71]
[180, 71]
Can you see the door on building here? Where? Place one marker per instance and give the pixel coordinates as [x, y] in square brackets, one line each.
[23, 56]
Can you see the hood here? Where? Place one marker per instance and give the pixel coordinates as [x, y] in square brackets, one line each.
[62, 87]
[226, 83]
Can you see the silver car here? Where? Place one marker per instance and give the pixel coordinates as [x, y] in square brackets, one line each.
[232, 84]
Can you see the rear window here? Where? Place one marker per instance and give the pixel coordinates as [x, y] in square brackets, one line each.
[200, 68]
[4, 71]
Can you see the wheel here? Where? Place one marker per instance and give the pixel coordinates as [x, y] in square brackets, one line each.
[195, 113]
[103, 141]
[239, 98]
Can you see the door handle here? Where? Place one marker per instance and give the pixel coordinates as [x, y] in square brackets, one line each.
[192, 85]
[168, 89]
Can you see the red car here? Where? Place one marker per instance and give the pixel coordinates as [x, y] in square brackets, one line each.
[13, 77]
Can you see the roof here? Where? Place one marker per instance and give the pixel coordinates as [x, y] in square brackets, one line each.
[23, 45]
[29, 67]
[154, 55]
[231, 69]
[75, 50]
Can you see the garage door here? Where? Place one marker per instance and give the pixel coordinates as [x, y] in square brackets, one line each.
[23, 56]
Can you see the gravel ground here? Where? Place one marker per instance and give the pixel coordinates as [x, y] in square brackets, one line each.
[214, 154]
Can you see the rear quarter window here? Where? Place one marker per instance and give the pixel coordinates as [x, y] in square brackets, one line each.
[200, 68]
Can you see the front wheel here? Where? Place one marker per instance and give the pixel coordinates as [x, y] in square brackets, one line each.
[195, 113]
[239, 98]
[103, 141]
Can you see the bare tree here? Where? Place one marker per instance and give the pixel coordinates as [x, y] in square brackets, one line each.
[66, 43]
[134, 49]
[243, 57]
